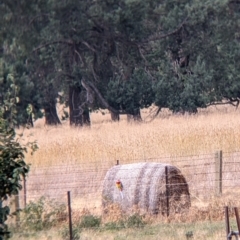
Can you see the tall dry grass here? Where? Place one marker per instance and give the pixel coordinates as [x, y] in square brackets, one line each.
[168, 135]
[212, 129]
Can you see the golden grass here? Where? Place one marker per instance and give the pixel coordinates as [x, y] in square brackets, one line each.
[97, 148]
[167, 136]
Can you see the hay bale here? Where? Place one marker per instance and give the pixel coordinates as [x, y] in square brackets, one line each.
[144, 186]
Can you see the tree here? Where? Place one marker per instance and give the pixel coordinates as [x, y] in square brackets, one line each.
[12, 168]
[198, 64]
[24, 26]
[132, 95]
[98, 41]
[92, 51]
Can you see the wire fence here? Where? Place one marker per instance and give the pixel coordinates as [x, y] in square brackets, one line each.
[213, 182]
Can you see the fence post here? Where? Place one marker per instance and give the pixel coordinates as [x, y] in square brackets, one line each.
[237, 219]
[17, 208]
[70, 215]
[24, 192]
[218, 173]
[167, 190]
[227, 221]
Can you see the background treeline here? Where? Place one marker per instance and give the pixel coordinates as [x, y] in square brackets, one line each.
[120, 55]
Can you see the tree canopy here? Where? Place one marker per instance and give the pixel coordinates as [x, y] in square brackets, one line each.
[118, 55]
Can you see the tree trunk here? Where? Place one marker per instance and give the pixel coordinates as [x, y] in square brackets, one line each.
[114, 116]
[51, 117]
[86, 117]
[30, 120]
[78, 110]
[136, 116]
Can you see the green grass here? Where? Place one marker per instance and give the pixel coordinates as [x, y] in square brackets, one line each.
[201, 230]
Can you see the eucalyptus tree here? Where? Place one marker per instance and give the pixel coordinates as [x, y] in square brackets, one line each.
[23, 28]
[198, 65]
[101, 44]
[121, 55]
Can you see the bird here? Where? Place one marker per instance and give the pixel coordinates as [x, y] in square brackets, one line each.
[119, 185]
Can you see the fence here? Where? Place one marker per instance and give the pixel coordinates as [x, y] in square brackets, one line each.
[208, 176]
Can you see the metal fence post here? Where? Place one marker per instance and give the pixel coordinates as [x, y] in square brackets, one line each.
[70, 216]
[237, 219]
[167, 190]
[218, 173]
[227, 221]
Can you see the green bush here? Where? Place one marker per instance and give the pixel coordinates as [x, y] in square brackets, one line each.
[90, 221]
[75, 232]
[135, 221]
[114, 225]
[42, 214]
[87, 221]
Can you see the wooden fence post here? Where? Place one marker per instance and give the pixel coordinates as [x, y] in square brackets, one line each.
[218, 173]
[17, 208]
[24, 192]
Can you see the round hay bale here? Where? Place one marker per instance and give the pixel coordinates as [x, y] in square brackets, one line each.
[143, 185]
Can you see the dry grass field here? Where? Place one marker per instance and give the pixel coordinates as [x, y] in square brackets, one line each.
[95, 149]
[216, 128]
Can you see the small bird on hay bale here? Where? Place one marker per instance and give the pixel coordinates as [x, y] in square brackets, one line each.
[119, 187]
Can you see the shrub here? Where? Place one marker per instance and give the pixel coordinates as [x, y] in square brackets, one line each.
[42, 214]
[90, 221]
[135, 221]
[75, 232]
[114, 225]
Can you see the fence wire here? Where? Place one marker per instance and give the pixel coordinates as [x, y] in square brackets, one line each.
[44, 199]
